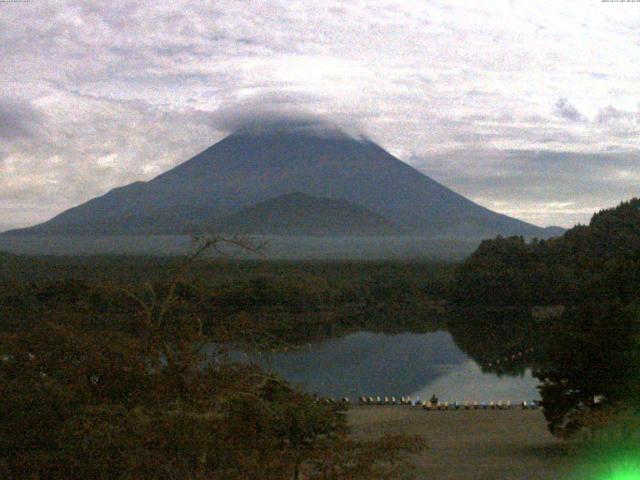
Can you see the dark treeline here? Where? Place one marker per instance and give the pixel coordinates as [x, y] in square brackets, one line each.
[588, 283]
[600, 259]
[288, 301]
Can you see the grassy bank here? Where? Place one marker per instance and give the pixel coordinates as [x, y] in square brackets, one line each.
[470, 444]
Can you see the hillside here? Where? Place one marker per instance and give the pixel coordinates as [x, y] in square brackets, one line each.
[301, 214]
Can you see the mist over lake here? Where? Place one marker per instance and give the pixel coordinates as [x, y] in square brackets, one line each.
[276, 247]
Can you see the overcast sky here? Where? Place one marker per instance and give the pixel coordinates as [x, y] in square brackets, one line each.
[529, 108]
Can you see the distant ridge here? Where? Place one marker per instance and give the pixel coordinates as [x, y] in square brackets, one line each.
[554, 231]
[253, 166]
[301, 214]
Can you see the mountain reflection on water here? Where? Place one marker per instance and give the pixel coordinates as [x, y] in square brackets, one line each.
[366, 363]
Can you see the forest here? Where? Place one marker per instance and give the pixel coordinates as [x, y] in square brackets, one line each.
[588, 360]
[286, 301]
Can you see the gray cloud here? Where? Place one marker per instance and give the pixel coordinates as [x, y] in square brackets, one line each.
[568, 185]
[619, 123]
[564, 109]
[611, 115]
[18, 119]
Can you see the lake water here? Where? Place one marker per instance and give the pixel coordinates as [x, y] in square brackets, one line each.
[377, 364]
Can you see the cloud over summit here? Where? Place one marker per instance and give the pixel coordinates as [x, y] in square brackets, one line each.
[283, 112]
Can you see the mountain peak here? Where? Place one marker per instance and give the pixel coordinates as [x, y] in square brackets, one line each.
[267, 158]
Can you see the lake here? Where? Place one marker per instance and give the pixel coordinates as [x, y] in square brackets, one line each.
[378, 364]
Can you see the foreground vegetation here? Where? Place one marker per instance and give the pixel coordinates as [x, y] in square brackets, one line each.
[76, 404]
[88, 394]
